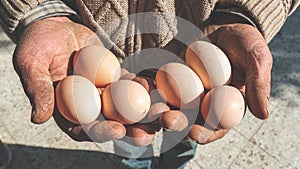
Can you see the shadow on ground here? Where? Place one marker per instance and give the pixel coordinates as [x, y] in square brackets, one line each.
[286, 58]
[31, 157]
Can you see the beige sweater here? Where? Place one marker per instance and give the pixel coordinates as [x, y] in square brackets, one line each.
[123, 35]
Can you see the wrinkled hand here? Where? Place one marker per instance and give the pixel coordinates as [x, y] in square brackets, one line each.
[251, 62]
[43, 57]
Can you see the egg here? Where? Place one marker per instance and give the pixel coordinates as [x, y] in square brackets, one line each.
[179, 85]
[209, 62]
[125, 101]
[78, 100]
[223, 107]
[97, 64]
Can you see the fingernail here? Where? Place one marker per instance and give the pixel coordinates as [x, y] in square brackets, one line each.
[35, 118]
[33, 112]
[69, 129]
[76, 130]
[267, 107]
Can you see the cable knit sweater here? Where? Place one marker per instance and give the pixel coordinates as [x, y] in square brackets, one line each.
[123, 37]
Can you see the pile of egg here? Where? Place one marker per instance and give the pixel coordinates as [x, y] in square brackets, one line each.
[204, 81]
[96, 87]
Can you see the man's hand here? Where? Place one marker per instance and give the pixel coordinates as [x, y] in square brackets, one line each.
[251, 62]
[43, 57]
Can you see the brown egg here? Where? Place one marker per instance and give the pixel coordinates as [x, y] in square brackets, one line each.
[223, 107]
[125, 101]
[97, 64]
[210, 64]
[78, 100]
[179, 85]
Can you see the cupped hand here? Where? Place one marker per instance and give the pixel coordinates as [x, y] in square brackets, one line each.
[42, 58]
[251, 62]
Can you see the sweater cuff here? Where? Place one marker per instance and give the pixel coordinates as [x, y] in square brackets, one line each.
[45, 10]
[295, 4]
[245, 18]
[268, 15]
[14, 21]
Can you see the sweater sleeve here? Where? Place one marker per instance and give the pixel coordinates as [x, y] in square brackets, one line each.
[268, 15]
[16, 14]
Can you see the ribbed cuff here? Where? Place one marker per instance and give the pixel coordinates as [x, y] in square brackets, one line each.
[268, 15]
[45, 10]
[16, 14]
[235, 13]
[295, 5]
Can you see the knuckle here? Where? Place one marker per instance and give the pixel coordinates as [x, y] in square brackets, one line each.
[261, 53]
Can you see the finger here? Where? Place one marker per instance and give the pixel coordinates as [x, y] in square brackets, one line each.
[143, 82]
[98, 131]
[174, 120]
[37, 84]
[156, 110]
[203, 135]
[258, 80]
[139, 134]
[155, 125]
[126, 75]
[103, 131]
[124, 71]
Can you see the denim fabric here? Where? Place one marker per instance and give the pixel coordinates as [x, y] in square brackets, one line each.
[175, 158]
[128, 153]
[5, 156]
[178, 156]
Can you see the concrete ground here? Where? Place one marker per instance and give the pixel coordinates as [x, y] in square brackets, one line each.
[273, 143]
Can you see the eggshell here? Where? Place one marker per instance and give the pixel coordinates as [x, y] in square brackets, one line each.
[97, 64]
[78, 100]
[223, 107]
[210, 63]
[125, 101]
[179, 85]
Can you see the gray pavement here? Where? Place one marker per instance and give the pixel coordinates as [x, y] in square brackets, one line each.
[272, 143]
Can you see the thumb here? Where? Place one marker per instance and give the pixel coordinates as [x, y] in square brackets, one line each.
[249, 53]
[37, 84]
[258, 80]
[42, 99]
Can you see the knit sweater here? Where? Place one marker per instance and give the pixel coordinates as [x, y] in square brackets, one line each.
[125, 36]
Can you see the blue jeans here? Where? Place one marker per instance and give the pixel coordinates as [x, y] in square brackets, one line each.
[175, 158]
